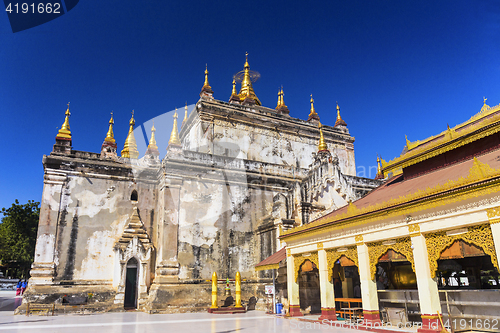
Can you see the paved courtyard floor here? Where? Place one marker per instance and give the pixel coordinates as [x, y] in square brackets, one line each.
[124, 322]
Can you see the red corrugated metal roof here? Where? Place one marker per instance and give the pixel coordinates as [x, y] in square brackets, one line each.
[274, 259]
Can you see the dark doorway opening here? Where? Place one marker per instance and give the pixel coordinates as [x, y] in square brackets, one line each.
[130, 301]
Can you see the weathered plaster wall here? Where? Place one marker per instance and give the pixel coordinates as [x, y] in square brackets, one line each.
[217, 225]
[94, 213]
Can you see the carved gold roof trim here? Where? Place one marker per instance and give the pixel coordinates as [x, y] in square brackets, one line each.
[397, 207]
[377, 249]
[447, 140]
[479, 235]
[265, 267]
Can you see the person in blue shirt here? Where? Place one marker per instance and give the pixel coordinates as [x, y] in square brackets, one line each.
[23, 286]
[19, 286]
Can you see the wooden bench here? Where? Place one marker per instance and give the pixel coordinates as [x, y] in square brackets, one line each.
[40, 308]
[351, 307]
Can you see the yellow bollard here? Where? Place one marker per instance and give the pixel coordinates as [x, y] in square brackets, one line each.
[214, 291]
[238, 290]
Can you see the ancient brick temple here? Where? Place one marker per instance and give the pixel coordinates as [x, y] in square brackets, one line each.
[140, 232]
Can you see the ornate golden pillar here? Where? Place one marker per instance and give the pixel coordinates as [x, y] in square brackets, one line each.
[369, 294]
[427, 286]
[292, 286]
[214, 291]
[325, 287]
[237, 283]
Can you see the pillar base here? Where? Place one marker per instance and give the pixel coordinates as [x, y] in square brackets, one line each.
[431, 324]
[328, 313]
[295, 311]
[371, 317]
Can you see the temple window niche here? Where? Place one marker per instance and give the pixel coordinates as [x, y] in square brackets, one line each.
[133, 196]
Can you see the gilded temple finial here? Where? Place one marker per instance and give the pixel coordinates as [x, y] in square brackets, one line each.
[206, 84]
[234, 98]
[64, 132]
[247, 94]
[110, 135]
[339, 120]
[279, 100]
[322, 144]
[206, 89]
[312, 114]
[152, 141]
[484, 100]
[380, 173]
[152, 147]
[130, 146]
[174, 136]
[185, 114]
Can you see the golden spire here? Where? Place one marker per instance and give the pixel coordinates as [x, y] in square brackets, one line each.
[185, 114]
[313, 114]
[130, 146]
[206, 85]
[246, 90]
[234, 92]
[279, 100]
[380, 173]
[110, 136]
[64, 132]
[322, 144]
[152, 141]
[174, 136]
[339, 120]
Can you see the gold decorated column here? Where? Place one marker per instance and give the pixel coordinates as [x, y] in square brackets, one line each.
[214, 291]
[292, 286]
[325, 287]
[369, 294]
[428, 293]
[238, 290]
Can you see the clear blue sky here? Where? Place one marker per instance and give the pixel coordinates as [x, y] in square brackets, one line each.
[395, 67]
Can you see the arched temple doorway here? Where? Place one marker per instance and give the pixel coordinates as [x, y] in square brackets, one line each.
[394, 271]
[309, 293]
[466, 266]
[131, 284]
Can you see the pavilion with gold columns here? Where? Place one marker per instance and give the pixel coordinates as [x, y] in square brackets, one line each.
[426, 243]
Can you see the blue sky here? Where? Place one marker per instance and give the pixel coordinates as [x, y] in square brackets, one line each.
[395, 67]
